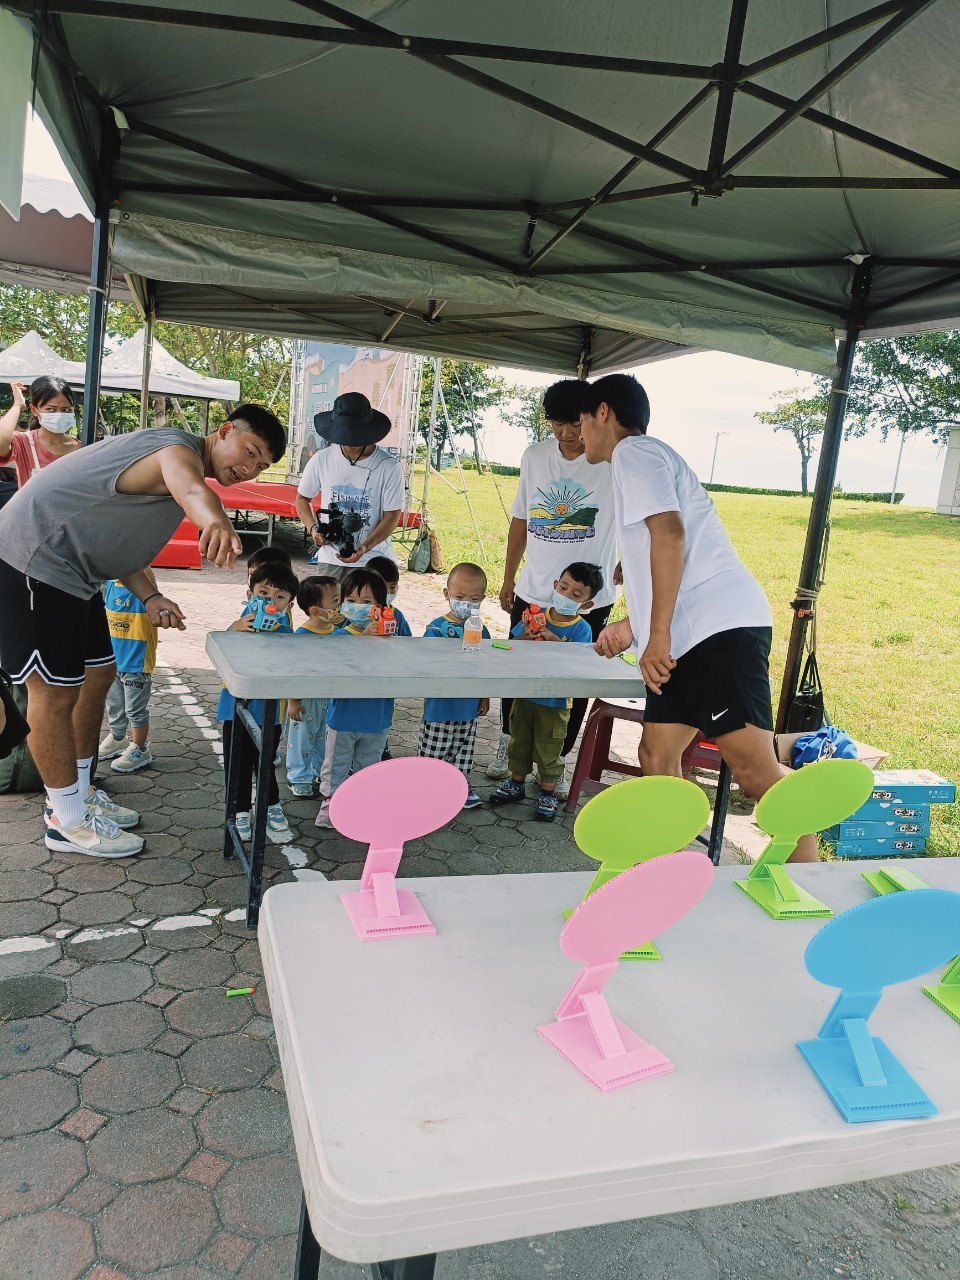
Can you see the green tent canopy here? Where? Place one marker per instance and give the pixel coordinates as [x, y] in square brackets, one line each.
[567, 187]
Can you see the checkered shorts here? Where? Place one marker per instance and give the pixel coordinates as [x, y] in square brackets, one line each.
[450, 740]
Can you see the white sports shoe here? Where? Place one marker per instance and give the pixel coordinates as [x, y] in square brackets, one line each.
[96, 836]
[133, 758]
[562, 788]
[111, 747]
[100, 804]
[497, 768]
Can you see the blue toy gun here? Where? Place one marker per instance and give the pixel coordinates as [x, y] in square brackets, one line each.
[266, 615]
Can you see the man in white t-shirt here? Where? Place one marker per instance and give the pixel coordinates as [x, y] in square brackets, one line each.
[700, 621]
[356, 476]
[563, 512]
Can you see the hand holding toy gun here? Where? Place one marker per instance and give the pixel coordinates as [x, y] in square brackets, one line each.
[534, 621]
[264, 612]
[386, 620]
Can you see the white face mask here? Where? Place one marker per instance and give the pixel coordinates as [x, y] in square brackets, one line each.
[58, 423]
[462, 609]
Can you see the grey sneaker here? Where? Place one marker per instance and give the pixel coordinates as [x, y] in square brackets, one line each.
[133, 758]
[497, 768]
[111, 747]
[96, 836]
[562, 786]
[100, 804]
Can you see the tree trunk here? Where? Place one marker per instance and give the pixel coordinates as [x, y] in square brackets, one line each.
[476, 448]
[804, 461]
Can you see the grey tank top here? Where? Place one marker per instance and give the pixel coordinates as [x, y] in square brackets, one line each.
[71, 529]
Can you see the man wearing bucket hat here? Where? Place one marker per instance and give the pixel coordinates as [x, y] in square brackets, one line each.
[356, 475]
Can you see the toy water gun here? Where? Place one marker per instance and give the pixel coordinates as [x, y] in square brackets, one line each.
[534, 621]
[266, 615]
[386, 620]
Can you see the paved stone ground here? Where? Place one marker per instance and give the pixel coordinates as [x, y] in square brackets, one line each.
[142, 1113]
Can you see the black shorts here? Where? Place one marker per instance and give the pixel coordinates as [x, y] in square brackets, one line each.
[720, 685]
[47, 631]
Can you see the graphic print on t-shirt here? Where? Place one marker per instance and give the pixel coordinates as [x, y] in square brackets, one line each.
[561, 513]
[349, 497]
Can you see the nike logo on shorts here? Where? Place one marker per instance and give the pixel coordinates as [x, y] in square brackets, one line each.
[720, 713]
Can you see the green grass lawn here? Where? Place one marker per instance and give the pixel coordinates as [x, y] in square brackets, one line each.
[889, 617]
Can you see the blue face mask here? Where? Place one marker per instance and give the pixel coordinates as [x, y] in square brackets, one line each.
[564, 605]
[358, 613]
[462, 609]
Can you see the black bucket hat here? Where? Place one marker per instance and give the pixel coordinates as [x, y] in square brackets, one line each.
[352, 421]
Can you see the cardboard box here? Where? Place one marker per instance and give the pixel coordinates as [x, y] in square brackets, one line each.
[889, 811]
[913, 786]
[894, 848]
[854, 829]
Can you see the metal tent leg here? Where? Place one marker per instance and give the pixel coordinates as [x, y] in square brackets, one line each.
[97, 315]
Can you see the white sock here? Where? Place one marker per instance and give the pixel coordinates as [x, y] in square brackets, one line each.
[83, 773]
[68, 804]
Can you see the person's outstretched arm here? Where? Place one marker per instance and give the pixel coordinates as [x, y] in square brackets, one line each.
[8, 423]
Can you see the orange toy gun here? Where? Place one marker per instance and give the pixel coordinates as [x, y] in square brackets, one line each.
[534, 621]
[386, 620]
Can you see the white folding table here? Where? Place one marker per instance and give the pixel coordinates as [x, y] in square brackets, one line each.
[272, 667]
[429, 1115]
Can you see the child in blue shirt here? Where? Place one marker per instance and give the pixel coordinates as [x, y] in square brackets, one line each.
[538, 726]
[134, 639]
[318, 598]
[390, 573]
[356, 727]
[449, 728]
[278, 584]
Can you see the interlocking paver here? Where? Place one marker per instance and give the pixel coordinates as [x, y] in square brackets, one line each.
[157, 1225]
[227, 1062]
[48, 1246]
[261, 1196]
[195, 970]
[116, 1028]
[229, 1252]
[206, 1169]
[173, 1044]
[111, 983]
[246, 1123]
[130, 1081]
[36, 1042]
[159, 870]
[76, 1062]
[189, 1100]
[22, 886]
[90, 1196]
[37, 1170]
[70, 1010]
[160, 996]
[34, 1100]
[83, 1124]
[169, 900]
[143, 1147]
[123, 941]
[89, 876]
[207, 1013]
[20, 918]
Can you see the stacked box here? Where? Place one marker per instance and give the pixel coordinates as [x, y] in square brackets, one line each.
[896, 819]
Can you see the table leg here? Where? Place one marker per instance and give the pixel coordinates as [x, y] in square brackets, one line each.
[271, 520]
[420, 1268]
[720, 805]
[231, 786]
[264, 771]
[307, 1264]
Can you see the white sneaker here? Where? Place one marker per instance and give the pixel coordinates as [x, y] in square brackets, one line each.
[244, 830]
[562, 788]
[133, 758]
[96, 836]
[497, 768]
[100, 804]
[112, 746]
[276, 818]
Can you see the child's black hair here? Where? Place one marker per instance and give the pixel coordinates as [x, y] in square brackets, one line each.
[588, 575]
[357, 579]
[310, 594]
[268, 555]
[563, 401]
[625, 396]
[472, 570]
[47, 388]
[388, 569]
[275, 574]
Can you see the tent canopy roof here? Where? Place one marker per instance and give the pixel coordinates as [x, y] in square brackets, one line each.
[475, 178]
[30, 357]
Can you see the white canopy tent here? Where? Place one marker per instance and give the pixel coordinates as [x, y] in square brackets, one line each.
[30, 357]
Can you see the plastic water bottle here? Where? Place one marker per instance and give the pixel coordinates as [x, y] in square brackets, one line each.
[472, 634]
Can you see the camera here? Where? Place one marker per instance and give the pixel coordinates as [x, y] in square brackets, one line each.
[341, 528]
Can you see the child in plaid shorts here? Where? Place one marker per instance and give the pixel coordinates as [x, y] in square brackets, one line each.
[449, 728]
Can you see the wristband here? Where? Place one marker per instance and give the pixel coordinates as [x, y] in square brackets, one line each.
[152, 597]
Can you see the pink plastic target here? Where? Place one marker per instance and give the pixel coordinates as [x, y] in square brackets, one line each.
[394, 801]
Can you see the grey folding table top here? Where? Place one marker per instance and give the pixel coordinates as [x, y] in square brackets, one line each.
[429, 1115]
[284, 666]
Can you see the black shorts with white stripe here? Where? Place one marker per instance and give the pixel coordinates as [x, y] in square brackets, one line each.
[49, 632]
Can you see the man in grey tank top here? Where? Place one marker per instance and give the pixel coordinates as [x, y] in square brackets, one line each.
[102, 512]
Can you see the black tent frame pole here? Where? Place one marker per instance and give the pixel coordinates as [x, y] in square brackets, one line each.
[806, 599]
[99, 266]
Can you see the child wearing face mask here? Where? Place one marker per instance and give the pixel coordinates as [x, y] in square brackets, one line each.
[449, 728]
[278, 584]
[390, 573]
[357, 728]
[319, 599]
[53, 415]
[538, 725]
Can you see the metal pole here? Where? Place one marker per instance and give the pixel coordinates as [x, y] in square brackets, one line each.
[97, 315]
[431, 434]
[896, 474]
[147, 361]
[716, 441]
[805, 601]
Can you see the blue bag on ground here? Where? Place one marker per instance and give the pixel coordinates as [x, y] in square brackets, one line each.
[827, 743]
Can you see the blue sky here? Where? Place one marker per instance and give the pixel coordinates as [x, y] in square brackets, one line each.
[692, 398]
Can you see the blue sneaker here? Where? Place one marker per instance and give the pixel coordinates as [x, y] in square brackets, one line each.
[547, 805]
[472, 801]
[508, 791]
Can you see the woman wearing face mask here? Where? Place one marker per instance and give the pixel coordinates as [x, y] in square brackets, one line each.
[53, 414]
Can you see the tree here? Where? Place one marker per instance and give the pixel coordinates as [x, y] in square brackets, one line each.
[804, 419]
[528, 414]
[906, 384]
[468, 390]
